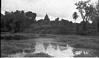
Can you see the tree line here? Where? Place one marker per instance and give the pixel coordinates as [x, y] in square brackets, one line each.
[19, 21]
[16, 21]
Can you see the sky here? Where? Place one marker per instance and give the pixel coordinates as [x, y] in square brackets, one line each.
[54, 8]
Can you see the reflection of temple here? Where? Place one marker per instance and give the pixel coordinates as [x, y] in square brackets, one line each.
[60, 51]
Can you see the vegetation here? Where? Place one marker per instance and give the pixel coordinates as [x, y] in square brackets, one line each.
[88, 12]
[16, 21]
[75, 16]
[76, 41]
[19, 28]
[20, 21]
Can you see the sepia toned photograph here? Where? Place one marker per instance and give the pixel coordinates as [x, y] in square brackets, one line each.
[49, 29]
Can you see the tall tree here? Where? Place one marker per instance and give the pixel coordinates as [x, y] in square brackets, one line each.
[97, 17]
[75, 16]
[97, 9]
[87, 11]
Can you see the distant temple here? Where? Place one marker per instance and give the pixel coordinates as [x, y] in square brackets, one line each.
[46, 19]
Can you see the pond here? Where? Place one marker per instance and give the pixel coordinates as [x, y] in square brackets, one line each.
[49, 47]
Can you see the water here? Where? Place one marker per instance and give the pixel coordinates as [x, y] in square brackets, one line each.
[53, 48]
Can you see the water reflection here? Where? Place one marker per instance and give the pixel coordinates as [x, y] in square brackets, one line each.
[52, 48]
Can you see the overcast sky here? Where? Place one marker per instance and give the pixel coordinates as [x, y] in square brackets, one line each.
[54, 8]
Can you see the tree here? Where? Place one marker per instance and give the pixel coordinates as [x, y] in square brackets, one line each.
[75, 16]
[97, 8]
[87, 12]
[16, 21]
[2, 22]
[64, 22]
[97, 17]
[31, 15]
[57, 21]
[6, 21]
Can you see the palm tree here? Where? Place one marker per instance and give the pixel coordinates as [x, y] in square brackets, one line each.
[75, 16]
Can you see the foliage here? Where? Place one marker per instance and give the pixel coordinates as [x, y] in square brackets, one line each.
[75, 16]
[57, 19]
[86, 10]
[16, 21]
[20, 21]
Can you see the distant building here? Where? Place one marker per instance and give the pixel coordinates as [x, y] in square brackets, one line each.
[46, 19]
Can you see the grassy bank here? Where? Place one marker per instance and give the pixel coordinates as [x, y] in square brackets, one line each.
[27, 41]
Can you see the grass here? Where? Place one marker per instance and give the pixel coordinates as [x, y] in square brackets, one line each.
[77, 41]
[85, 42]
